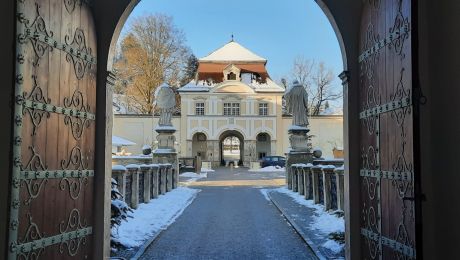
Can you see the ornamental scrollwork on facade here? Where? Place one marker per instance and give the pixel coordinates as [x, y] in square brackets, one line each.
[32, 234]
[33, 32]
[75, 160]
[77, 124]
[75, 186]
[402, 29]
[74, 223]
[371, 40]
[78, 49]
[36, 95]
[34, 187]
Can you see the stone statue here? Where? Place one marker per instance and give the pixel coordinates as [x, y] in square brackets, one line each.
[165, 101]
[297, 104]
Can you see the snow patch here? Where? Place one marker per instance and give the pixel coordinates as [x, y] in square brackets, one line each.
[333, 246]
[118, 168]
[193, 177]
[155, 216]
[324, 222]
[265, 193]
[269, 169]
[207, 170]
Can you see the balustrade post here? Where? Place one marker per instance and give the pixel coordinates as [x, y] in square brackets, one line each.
[328, 172]
[300, 179]
[147, 170]
[308, 193]
[133, 170]
[169, 178]
[119, 174]
[162, 179]
[155, 189]
[339, 175]
[316, 171]
[289, 177]
[294, 175]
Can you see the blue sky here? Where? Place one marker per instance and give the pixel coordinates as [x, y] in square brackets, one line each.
[272, 29]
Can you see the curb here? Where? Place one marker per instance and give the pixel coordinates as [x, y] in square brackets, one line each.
[149, 242]
[298, 230]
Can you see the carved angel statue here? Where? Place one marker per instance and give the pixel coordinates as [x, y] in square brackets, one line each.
[297, 104]
[165, 101]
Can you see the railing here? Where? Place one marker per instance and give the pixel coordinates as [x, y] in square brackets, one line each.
[322, 182]
[141, 183]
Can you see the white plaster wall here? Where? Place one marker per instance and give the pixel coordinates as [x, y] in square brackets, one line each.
[327, 131]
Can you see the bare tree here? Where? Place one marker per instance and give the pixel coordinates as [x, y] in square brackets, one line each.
[318, 81]
[154, 52]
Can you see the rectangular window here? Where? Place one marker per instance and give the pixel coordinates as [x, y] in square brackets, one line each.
[231, 109]
[263, 109]
[199, 109]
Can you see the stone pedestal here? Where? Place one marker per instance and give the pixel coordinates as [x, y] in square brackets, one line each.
[300, 152]
[166, 154]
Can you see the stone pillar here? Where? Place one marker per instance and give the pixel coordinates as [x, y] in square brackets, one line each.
[175, 178]
[154, 187]
[339, 175]
[299, 154]
[162, 171]
[328, 172]
[169, 178]
[300, 179]
[133, 169]
[316, 171]
[289, 176]
[294, 174]
[119, 174]
[307, 183]
[147, 170]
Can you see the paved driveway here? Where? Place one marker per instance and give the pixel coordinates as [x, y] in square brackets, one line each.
[231, 219]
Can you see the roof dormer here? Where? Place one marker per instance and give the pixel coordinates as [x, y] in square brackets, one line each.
[232, 72]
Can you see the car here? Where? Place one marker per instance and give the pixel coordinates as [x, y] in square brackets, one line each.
[273, 161]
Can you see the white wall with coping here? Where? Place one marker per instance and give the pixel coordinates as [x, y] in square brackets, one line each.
[327, 131]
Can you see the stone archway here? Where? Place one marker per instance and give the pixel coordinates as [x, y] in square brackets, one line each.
[263, 145]
[199, 145]
[338, 12]
[229, 158]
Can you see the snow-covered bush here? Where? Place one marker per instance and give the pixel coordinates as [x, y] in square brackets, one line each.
[119, 212]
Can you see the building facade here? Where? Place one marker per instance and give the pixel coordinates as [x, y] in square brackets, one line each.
[232, 98]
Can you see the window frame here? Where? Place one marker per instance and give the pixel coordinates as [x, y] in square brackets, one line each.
[263, 109]
[200, 111]
[231, 109]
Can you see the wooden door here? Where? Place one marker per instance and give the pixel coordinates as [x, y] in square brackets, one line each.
[387, 131]
[51, 212]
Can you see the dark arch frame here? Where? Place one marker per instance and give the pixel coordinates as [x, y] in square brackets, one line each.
[347, 30]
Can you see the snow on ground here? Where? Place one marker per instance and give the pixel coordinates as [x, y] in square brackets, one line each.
[207, 170]
[323, 221]
[265, 193]
[193, 177]
[269, 169]
[155, 216]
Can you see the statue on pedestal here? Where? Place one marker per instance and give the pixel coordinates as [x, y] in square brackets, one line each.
[297, 104]
[165, 101]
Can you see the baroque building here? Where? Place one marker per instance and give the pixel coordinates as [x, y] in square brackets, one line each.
[232, 96]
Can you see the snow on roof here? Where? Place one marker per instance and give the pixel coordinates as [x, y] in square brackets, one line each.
[268, 86]
[203, 86]
[193, 86]
[233, 51]
[118, 141]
